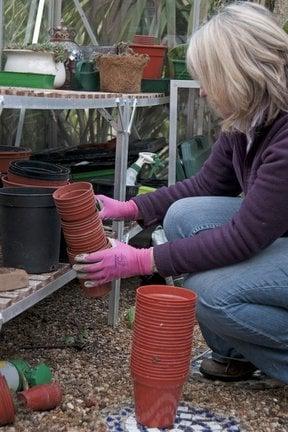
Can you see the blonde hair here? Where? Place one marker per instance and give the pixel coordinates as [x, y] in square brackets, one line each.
[240, 57]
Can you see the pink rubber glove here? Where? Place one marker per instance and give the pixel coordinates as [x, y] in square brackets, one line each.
[121, 261]
[117, 210]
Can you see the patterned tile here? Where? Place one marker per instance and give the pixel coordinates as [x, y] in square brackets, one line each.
[188, 419]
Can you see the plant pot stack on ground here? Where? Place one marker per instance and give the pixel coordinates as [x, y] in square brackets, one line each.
[30, 228]
[147, 45]
[121, 72]
[35, 174]
[161, 351]
[7, 409]
[82, 226]
[8, 154]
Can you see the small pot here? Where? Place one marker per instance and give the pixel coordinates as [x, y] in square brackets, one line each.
[82, 214]
[42, 397]
[84, 189]
[144, 40]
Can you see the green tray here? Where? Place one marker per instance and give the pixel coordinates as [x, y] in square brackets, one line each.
[156, 85]
[21, 79]
[108, 173]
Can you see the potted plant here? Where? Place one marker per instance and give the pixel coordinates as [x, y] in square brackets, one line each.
[46, 58]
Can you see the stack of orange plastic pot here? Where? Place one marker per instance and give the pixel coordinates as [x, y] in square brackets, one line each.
[82, 226]
[161, 351]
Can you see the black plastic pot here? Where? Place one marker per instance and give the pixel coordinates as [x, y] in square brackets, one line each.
[30, 229]
[39, 170]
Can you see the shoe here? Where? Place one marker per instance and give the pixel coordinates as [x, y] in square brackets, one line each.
[232, 370]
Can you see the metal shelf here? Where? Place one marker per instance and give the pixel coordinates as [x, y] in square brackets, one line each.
[12, 303]
[126, 104]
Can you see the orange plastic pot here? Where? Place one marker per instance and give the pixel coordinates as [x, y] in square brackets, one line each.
[82, 214]
[154, 68]
[35, 182]
[172, 367]
[164, 294]
[84, 189]
[9, 154]
[168, 344]
[42, 397]
[7, 409]
[7, 183]
[156, 404]
[144, 40]
[78, 225]
[96, 292]
[168, 375]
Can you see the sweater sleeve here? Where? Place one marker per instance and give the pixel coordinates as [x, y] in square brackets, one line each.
[217, 177]
[261, 219]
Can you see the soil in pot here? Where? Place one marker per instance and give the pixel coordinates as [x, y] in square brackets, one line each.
[30, 229]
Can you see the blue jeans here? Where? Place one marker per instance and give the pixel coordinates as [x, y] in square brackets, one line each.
[242, 308]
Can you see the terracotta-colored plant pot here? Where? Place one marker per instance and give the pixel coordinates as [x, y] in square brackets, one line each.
[7, 183]
[144, 40]
[94, 292]
[35, 182]
[156, 404]
[7, 409]
[167, 294]
[9, 154]
[84, 189]
[154, 68]
[80, 215]
[42, 397]
[165, 375]
[77, 225]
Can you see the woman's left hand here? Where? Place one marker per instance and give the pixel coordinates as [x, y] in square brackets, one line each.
[120, 261]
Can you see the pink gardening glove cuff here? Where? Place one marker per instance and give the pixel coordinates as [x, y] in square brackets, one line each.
[117, 210]
[120, 261]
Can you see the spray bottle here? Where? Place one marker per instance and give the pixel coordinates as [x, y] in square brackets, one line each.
[135, 168]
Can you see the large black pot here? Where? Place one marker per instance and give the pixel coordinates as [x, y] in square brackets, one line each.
[39, 170]
[30, 229]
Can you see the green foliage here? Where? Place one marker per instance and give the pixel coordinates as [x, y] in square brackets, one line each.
[59, 52]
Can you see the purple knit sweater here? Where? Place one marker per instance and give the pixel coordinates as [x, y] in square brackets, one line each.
[262, 175]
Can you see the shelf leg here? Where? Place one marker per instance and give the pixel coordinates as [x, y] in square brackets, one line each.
[20, 127]
[122, 144]
[173, 133]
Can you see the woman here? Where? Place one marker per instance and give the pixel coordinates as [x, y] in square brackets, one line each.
[233, 250]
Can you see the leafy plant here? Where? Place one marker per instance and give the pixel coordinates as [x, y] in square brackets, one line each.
[59, 52]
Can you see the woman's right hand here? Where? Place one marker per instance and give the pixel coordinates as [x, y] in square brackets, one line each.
[117, 210]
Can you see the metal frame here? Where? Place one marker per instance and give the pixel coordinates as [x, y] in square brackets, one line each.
[123, 123]
[174, 86]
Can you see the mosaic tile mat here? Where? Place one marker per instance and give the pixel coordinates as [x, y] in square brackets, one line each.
[188, 419]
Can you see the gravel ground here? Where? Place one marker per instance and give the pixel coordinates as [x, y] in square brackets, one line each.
[95, 372]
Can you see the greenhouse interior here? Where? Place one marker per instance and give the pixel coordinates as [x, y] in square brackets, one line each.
[143, 219]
